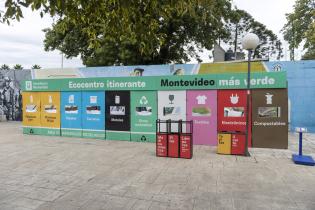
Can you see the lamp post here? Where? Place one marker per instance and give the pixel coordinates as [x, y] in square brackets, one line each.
[249, 42]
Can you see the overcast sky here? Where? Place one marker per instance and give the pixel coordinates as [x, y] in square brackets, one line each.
[22, 42]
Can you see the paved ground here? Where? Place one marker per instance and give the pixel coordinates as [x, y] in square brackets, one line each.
[39, 172]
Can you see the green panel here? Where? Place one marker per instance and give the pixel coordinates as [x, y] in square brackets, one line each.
[144, 137]
[258, 80]
[118, 135]
[71, 132]
[206, 81]
[268, 80]
[143, 115]
[32, 130]
[93, 134]
[50, 131]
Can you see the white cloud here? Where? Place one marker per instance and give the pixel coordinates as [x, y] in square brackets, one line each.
[272, 14]
[22, 43]
[269, 12]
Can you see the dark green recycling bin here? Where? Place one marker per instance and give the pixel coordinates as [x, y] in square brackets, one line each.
[143, 116]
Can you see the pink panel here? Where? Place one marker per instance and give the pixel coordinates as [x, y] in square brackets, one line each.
[202, 109]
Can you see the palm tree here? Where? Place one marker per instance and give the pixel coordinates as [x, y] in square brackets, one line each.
[36, 66]
[18, 67]
[4, 67]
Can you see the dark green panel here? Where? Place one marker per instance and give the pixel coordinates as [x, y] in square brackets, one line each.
[143, 115]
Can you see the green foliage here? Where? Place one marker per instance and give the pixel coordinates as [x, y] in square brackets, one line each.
[36, 66]
[310, 43]
[242, 23]
[300, 28]
[118, 32]
[18, 67]
[4, 67]
[310, 54]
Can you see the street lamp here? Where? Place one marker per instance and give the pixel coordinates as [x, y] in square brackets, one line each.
[249, 42]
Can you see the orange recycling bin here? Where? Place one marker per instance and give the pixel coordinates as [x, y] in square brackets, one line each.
[50, 113]
[31, 106]
[31, 113]
[224, 144]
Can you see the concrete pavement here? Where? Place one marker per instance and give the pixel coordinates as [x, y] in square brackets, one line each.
[46, 173]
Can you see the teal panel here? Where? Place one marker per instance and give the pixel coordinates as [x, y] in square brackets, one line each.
[50, 131]
[118, 135]
[184, 82]
[32, 130]
[93, 134]
[71, 132]
[143, 137]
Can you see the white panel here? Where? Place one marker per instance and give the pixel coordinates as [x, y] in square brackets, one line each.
[172, 105]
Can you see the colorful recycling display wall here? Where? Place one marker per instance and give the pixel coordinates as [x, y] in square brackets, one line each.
[126, 108]
[50, 113]
[143, 115]
[202, 110]
[93, 114]
[300, 77]
[71, 114]
[31, 112]
[118, 115]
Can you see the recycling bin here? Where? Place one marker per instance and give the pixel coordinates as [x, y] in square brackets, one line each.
[232, 111]
[186, 140]
[173, 145]
[50, 113]
[93, 114]
[270, 118]
[71, 114]
[117, 115]
[173, 138]
[202, 109]
[172, 105]
[224, 143]
[238, 144]
[31, 113]
[161, 138]
[143, 115]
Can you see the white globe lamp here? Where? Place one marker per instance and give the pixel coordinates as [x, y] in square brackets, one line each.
[250, 41]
